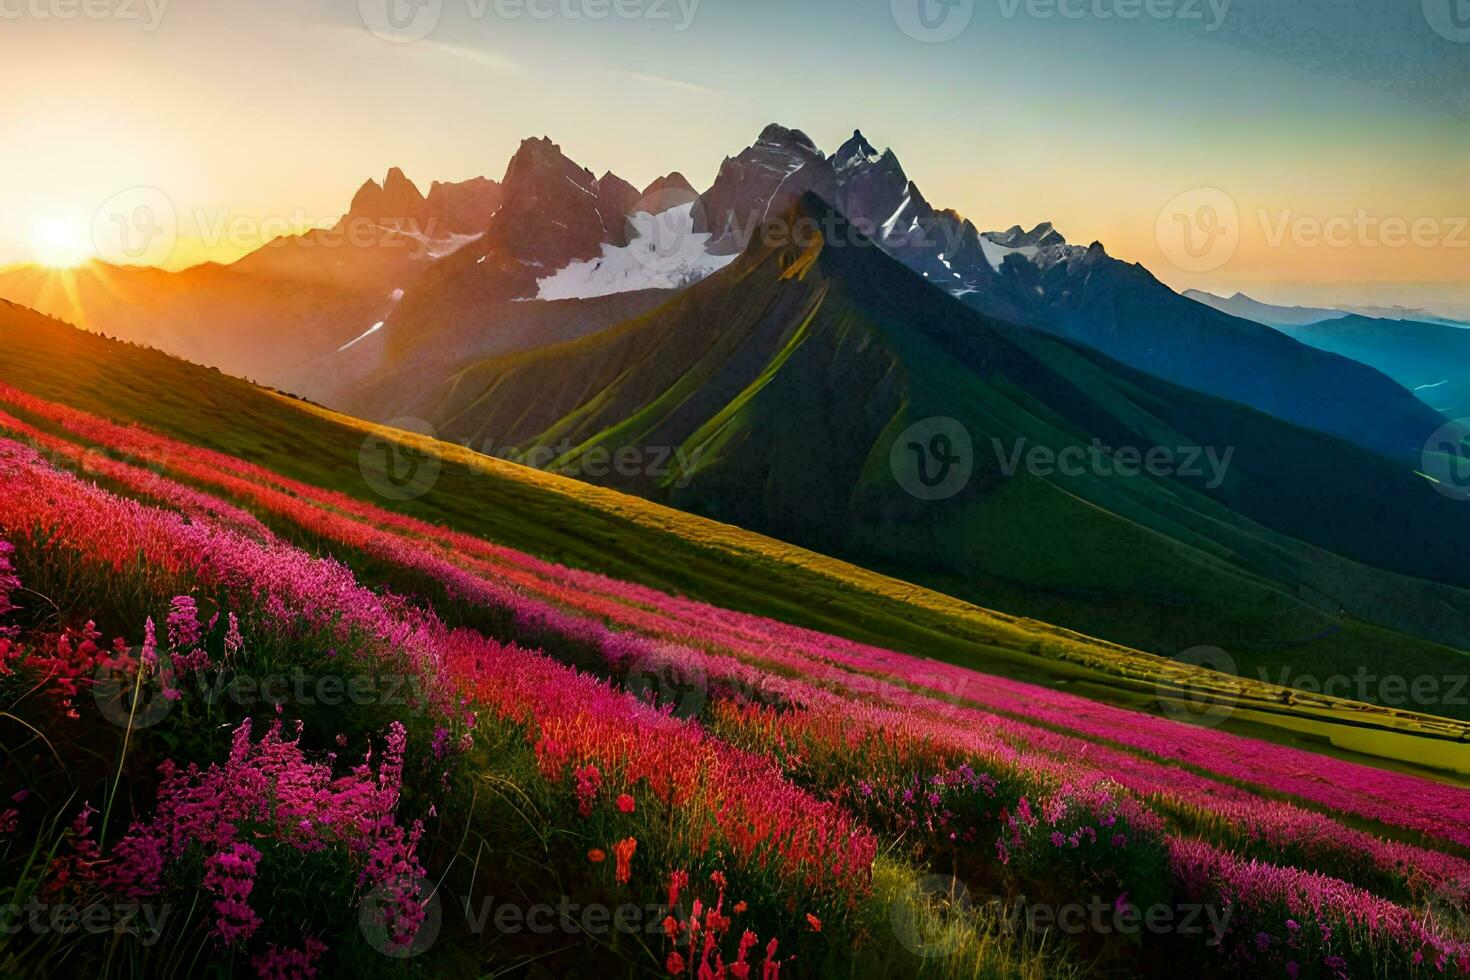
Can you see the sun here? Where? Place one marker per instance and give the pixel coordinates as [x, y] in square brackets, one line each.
[61, 241]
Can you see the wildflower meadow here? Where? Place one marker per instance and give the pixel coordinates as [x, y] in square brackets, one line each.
[255, 727]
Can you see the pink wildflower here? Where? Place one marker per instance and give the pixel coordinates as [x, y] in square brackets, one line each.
[589, 781]
[289, 964]
[230, 875]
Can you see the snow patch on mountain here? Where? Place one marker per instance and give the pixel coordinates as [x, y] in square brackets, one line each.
[888, 225]
[393, 300]
[996, 254]
[665, 253]
[433, 247]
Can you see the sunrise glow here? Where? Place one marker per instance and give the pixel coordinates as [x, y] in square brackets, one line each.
[61, 241]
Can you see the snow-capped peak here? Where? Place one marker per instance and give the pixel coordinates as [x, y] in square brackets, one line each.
[664, 252]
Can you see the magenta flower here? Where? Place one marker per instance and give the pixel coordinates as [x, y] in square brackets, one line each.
[230, 875]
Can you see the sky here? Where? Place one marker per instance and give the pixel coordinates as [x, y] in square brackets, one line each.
[1290, 148]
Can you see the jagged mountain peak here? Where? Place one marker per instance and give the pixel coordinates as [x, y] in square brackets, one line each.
[397, 181]
[1042, 236]
[615, 192]
[779, 136]
[856, 152]
[368, 193]
[538, 157]
[915, 194]
[396, 197]
[760, 182]
[610, 178]
[552, 212]
[670, 183]
[539, 144]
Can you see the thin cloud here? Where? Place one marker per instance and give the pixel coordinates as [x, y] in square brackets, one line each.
[475, 56]
[683, 86]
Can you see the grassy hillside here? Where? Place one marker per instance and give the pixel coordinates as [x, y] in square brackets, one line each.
[785, 381]
[584, 526]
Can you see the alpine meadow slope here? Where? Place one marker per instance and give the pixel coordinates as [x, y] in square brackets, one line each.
[584, 526]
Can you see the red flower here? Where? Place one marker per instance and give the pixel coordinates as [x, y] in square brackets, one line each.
[625, 803]
[597, 855]
[623, 851]
[678, 881]
[674, 964]
[814, 922]
[740, 969]
[740, 908]
[771, 968]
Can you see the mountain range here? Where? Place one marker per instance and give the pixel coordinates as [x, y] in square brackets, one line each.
[785, 388]
[1035, 278]
[365, 326]
[1269, 314]
[1272, 315]
[290, 302]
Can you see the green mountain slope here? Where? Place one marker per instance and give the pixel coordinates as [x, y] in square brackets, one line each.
[784, 382]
